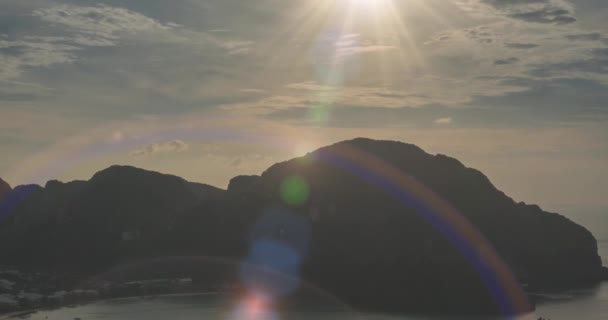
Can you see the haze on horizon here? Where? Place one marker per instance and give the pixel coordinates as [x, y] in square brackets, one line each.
[209, 89]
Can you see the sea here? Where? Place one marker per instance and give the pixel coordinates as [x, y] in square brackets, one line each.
[588, 304]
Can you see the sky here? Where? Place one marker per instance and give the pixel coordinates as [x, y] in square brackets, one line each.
[211, 89]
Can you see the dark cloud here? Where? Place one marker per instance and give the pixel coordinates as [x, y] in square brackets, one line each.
[511, 60]
[536, 11]
[594, 36]
[554, 16]
[502, 3]
[16, 50]
[553, 99]
[596, 62]
[481, 34]
[601, 53]
[235, 15]
[521, 45]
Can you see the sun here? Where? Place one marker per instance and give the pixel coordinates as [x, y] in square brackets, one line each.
[369, 3]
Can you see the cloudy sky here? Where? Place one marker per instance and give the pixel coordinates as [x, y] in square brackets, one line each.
[208, 89]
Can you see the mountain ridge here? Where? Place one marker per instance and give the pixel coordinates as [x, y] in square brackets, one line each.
[363, 240]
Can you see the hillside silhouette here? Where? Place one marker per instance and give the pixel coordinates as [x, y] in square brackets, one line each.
[5, 188]
[379, 224]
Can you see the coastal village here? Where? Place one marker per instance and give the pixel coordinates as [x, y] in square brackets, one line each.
[21, 291]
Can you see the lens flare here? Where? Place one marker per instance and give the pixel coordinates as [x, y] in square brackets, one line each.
[295, 191]
[255, 306]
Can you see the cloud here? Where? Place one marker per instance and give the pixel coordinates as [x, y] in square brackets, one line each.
[511, 60]
[22, 91]
[522, 46]
[595, 62]
[15, 55]
[346, 51]
[161, 147]
[249, 161]
[443, 121]
[361, 96]
[236, 162]
[61, 34]
[252, 90]
[567, 51]
[353, 117]
[237, 46]
[536, 11]
[71, 29]
[332, 49]
[593, 36]
[552, 99]
[546, 15]
[425, 92]
[543, 103]
[100, 21]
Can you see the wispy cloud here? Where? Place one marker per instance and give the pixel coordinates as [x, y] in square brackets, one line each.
[523, 46]
[346, 51]
[100, 21]
[161, 147]
[443, 121]
[80, 27]
[71, 29]
[237, 47]
[252, 90]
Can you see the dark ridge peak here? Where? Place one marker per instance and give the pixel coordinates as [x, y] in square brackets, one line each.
[372, 145]
[53, 183]
[27, 188]
[118, 168]
[449, 160]
[4, 186]
[367, 144]
[126, 171]
[205, 186]
[57, 183]
[243, 183]
[133, 175]
[5, 189]
[455, 164]
[385, 149]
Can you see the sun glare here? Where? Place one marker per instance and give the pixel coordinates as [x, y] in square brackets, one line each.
[342, 40]
[367, 3]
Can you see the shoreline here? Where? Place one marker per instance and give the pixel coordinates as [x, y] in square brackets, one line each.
[18, 314]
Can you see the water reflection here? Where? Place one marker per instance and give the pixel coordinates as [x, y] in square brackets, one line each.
[591, 304]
